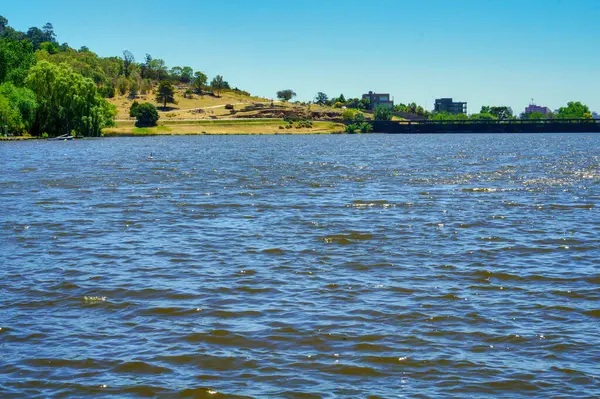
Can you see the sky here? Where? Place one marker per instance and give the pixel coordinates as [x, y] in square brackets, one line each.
[485, 52]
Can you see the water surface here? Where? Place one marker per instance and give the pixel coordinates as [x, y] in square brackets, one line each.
[378, 266]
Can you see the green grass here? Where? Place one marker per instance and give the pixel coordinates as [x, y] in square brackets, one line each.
[151, 130]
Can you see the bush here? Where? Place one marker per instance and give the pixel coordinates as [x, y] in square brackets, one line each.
[133, 109]
[382, 114]
[44, 135]
[348, 114]
[146, 115]
[351, 128]
[359, 117]
[229, 106]
[304, 124]
[366, 127]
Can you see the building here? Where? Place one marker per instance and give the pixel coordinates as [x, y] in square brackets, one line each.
[595, 115]
[379, 100]
[536, 108]
[447, 105]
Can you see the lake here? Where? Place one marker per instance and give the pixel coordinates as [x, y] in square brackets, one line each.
[343, 266]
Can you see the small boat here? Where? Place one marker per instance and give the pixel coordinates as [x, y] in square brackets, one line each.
[150, 157]
[64, 137]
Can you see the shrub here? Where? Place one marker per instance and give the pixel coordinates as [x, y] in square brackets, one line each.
[351, 128]
[366, 127]
[44, 135]
[146, 115]
[382, 114]
[304, 124]
[348, 114]
[133, 109]
[359, 117]
[229, 106]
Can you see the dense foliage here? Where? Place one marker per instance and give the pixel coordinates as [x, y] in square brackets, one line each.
[146, 114]
[67, 102]
[382, 114]
[286, 95]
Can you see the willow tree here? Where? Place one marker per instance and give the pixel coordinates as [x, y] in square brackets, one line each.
[67, 102]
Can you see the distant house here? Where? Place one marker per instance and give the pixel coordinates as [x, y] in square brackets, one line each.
[536, 108]
[449, 106]
[379, 100]
[595, 115]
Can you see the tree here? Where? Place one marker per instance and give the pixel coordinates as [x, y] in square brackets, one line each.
[48, 31]
[166, 93]
[501, 113]
[176, 72]
[158, 69]
[3, 23]
[535, 116]
[67, 101]
[16, 57]
[23, 104]
[218, 85]
[321, 98]
[286, 95]
[573, 110]
[199, 82]
[187, 73]
[341, 99]
[382, 114]
[133, 109]
[36, 37]
[483, 116]
[128, 60]
[146, 115]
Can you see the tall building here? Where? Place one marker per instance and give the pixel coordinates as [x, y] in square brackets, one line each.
[447, 105]
[379, 100]
[535, 108]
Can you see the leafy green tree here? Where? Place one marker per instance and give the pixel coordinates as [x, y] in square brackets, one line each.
[382, 114]
[286, 95]
[536, 116]
[187, 74]
[23, 102]
[321, 98]
[158, 69]
[341, 99]
[176, 72]
[365, 103]
[146, 115]
[499, 112]
[165, 94]
[573, 110]
[122, 85]
[48, 31]
[218, 85]
[133, 109]
[67, 101]
[199, 82]
[3, 24]
[16, 57]
[128, 62]
[8, 116]
[483, 116]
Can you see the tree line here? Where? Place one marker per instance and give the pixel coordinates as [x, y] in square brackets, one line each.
[50, 88]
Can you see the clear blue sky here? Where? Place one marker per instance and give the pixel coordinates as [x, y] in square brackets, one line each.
[503, 52]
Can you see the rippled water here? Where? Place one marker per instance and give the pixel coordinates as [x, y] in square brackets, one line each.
[301, 267]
